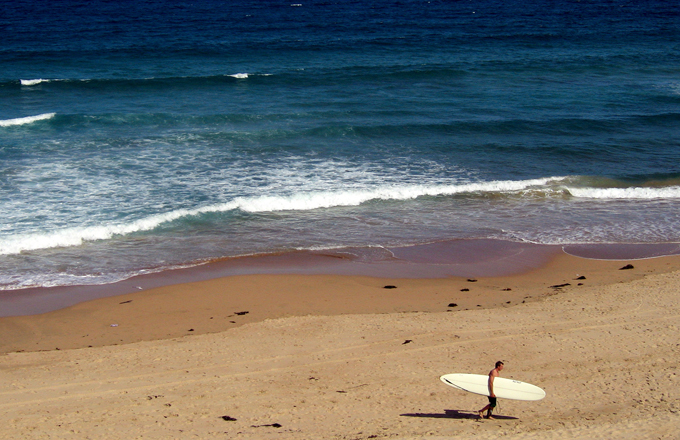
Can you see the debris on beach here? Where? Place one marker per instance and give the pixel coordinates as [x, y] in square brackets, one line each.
[273, 425]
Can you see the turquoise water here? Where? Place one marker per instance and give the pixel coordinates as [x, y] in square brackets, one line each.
[136, 138]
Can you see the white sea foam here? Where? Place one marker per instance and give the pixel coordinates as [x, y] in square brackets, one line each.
[328, 199]
[33, 82]
[294, 202]
[302, 201]
[77, 236]
[239, 75]
[670, 192]
[26, 120]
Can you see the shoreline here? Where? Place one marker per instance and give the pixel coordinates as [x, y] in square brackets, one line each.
[445, 259]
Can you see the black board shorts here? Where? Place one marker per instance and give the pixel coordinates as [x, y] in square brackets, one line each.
[492, 401]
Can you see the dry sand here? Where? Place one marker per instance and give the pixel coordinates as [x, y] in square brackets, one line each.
[328, 357]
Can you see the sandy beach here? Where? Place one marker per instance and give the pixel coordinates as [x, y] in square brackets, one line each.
[344, 357]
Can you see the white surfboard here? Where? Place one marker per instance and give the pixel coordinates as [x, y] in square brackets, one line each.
[503, 388]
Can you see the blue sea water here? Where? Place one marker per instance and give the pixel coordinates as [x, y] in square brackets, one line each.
[139, 136]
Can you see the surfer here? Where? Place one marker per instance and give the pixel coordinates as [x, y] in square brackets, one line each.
[492, 397]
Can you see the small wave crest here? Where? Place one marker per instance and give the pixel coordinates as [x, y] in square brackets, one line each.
[33, 82]
[26, 120]
[136, 81]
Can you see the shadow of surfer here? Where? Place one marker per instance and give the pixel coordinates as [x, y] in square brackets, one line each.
[493, 374]
[454, 414]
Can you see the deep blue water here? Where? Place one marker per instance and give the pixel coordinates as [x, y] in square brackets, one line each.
[141, 136]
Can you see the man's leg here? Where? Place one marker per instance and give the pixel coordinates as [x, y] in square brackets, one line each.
[491, 406]
[492, 403]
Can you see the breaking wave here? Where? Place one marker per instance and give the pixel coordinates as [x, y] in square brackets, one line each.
[305, 201]
[294, 202]
[33, 82]
[26, 120]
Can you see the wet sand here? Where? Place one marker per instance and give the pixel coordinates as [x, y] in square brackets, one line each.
[446, 259]
[455, 258]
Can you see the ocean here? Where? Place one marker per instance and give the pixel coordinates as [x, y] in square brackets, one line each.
[136, 137]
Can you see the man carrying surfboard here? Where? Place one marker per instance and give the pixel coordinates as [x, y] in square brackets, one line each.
[493, 386]
[492, 397]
